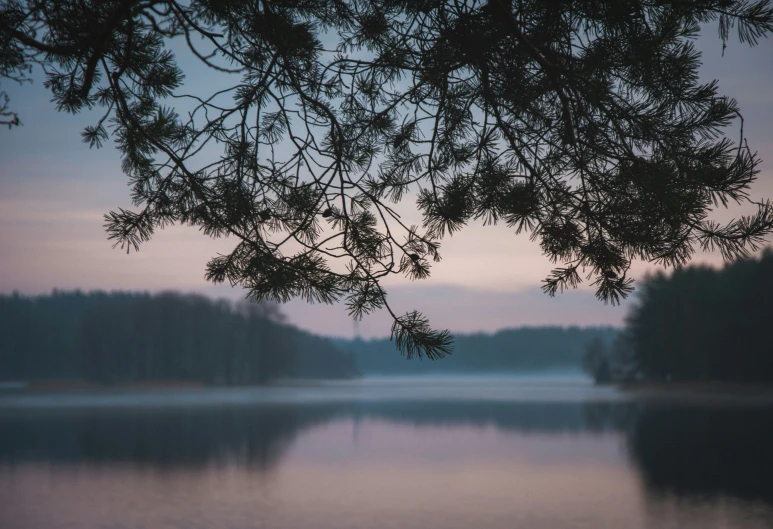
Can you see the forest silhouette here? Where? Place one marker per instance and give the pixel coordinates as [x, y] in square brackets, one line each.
[701, 323]
[123, 337]
[111, 338]
[698, 324]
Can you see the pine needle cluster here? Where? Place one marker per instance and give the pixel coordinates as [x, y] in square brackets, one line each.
[582, 123]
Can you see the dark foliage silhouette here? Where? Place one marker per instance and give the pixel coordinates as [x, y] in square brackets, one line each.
[583, 124]
[120, 337]
[596, 362]
[702, 323]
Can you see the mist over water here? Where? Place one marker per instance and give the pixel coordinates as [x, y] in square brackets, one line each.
[532, 451]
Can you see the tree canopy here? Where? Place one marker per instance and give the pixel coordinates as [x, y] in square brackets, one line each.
[582, 123]
[704, 324]
[123, 337]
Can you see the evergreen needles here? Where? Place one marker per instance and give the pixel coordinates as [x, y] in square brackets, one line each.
[582, 123]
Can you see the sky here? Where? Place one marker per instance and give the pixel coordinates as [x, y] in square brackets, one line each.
[54, 191]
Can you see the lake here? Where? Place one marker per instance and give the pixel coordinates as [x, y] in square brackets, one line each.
[523, 452]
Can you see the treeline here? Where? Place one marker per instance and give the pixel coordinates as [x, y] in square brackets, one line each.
[122, 337]
[699, 323]
[506, 351]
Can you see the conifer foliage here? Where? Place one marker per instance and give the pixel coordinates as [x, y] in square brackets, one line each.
[700, 323]
[582, 123]
[121, 337]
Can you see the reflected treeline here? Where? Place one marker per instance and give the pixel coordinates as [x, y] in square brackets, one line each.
[692, 450]
[254, 435]
[521, 417]
[164, 438]
[684, 450]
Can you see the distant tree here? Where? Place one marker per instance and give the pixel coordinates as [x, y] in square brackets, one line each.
[595, 361]
[622, 359]
[582, 123]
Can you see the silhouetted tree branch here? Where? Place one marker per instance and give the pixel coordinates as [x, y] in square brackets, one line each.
[582, 123]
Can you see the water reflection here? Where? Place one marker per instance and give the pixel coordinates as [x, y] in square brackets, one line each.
[681, 449]
[163, 438]
[704, 451]
[696, 464]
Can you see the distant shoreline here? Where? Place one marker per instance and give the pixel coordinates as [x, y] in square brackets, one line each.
[68, 385]
[701, 389]
[46, 386]
[681, 391]
[172, 384]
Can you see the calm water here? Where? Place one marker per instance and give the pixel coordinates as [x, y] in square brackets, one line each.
[494, 453]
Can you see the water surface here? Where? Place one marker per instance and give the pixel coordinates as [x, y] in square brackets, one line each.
[390, 453]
